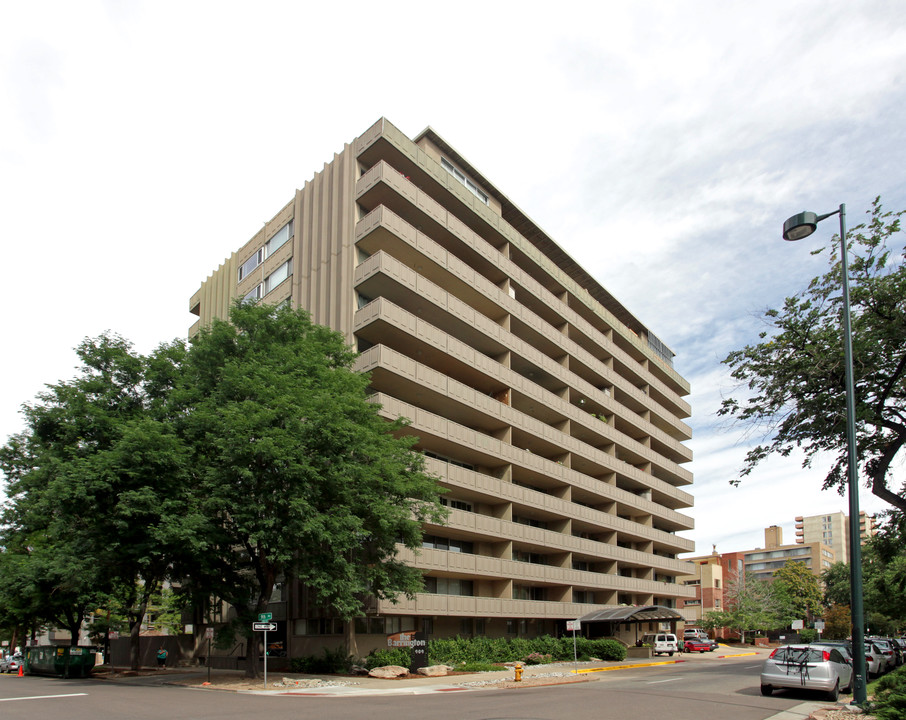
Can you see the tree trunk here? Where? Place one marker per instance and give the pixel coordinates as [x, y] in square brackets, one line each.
[349, 641]
[251, 657]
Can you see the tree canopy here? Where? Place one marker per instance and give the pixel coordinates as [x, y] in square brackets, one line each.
[295, 467]
[797, 591]
[791, 383]
[249, 457]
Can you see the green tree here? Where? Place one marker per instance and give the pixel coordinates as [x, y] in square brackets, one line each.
[750, 606]
[835, 580]
[792, 382]
[297, 471]
[100, 501]
[796, 591]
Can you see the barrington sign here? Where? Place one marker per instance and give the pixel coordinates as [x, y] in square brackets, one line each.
[417, 644]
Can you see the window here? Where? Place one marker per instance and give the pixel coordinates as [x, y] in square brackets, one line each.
[278, 240]
[528, 592]
[583, 596]
[461, 176]
[529, 557]
[278, 276]
[448, 586]
[457, 504]
[250, 264]
[254, 295]
[262, 253]
[435, 542]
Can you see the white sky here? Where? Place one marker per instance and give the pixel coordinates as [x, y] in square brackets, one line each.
[661, 144]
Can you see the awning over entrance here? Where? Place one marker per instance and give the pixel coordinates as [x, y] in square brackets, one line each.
[632, 614]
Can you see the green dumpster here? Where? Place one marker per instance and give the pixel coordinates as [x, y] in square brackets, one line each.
[59, 660]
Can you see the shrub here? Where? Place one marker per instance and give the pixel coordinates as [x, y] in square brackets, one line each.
[333, 662]
[890, 696]
[537, 658]
[394, 656]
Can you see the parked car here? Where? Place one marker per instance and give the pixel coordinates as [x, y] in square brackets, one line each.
[887, 651]
[895, 647]
[661, 643]
[810, 667]
[875, 662]
[11, 663]
[696, 645]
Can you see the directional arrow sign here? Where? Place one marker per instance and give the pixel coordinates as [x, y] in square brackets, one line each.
[266, 627]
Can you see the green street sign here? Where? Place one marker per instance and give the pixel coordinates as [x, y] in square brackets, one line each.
[264, 617]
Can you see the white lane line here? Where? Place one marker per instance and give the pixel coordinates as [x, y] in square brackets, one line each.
[42, 697]
[655, 682]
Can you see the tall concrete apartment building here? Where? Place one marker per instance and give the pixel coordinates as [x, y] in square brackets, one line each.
[833, 530]
[551, 413]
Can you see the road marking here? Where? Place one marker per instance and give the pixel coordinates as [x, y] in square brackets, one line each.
[655, 682]
[42, 697]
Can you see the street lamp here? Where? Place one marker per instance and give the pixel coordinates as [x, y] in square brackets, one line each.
[795, 228]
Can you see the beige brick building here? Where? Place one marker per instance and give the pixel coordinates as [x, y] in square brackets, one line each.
[551, 413]
[833, 530]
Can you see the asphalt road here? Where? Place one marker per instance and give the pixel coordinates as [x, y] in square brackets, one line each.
[687, 691]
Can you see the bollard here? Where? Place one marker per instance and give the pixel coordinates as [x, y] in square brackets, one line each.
[518, 670]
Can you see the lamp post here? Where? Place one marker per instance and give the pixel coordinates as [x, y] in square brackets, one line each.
[795, 228]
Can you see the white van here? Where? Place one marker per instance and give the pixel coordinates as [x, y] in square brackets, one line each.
[661, 643]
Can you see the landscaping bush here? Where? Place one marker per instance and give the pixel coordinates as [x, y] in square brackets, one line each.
[456, 651]
[537, 658]
[331, 663]
[394, 656]
[890, 696]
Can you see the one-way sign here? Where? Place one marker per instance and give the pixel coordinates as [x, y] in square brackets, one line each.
[266, 627]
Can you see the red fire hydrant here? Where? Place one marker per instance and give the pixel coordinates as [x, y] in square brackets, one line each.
[518, 670]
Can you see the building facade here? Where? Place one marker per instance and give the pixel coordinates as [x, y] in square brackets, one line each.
[553, 415]
[833, 530]
[706, 578]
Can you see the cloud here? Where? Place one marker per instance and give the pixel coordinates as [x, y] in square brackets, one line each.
[661, 145]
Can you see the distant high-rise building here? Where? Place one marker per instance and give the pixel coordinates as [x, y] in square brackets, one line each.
[833, 530]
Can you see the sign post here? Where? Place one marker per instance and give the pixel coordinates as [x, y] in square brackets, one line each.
[264, 625]
[574, 625]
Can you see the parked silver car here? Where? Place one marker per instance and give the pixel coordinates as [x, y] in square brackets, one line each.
[809, 667]
[11, 663]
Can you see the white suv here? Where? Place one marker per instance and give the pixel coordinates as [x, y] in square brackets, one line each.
[661, 643]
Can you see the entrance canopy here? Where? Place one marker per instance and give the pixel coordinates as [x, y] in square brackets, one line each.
[632, 614]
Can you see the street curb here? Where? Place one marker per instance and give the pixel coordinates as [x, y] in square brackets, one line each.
[737, 655]
[626, 667]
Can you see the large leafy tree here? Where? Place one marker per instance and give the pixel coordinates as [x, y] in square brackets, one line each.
[296, 469]
[100, 506]
[796, 591]
[792, 382]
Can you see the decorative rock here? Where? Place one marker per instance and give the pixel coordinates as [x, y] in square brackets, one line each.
[359, 670]
[388, 671]
[434, 671]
